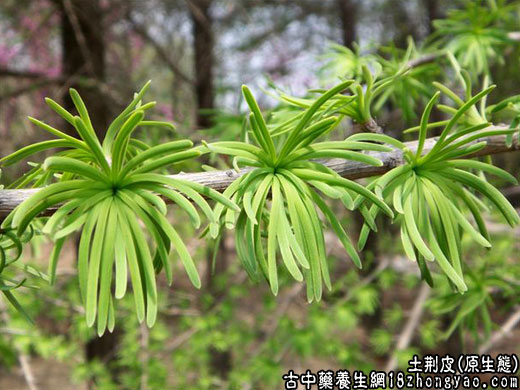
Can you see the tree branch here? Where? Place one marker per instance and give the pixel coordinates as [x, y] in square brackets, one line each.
[79, 35]
[408, 331]
[160, 50]
[23, 359]
[21, 74]
[40, 80]
[503, 332]
[220, 180]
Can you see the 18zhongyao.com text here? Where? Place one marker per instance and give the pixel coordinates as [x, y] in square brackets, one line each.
[430, 372]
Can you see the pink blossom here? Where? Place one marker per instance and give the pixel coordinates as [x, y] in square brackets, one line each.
[7, 53]
[165, 110]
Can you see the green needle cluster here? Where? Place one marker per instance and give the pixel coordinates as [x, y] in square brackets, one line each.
[430, 190]
[281, 197]
[110, 192]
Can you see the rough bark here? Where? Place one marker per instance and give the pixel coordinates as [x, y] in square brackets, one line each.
[84, 55]
[220, 180]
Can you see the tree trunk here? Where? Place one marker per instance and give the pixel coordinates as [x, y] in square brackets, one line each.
[348, 13]
[403, 24]
[432, 13]
[220, 361]
[203, 52]
[84, 56]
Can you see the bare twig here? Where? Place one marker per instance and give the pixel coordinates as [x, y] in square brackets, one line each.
[281, 309]
[21, 74]
[220, 180]
[41, 80]
[197, 12]
[160, 50]
[145, 355]
[177, 341]
[501, 333]
[180, 339]
[407, 334]
[363, 282]
[11, 331]
[39, 83]
[425, 59]
[23, 359]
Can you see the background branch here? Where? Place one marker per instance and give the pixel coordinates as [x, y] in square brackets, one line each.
[415, 318]
[503, 332]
